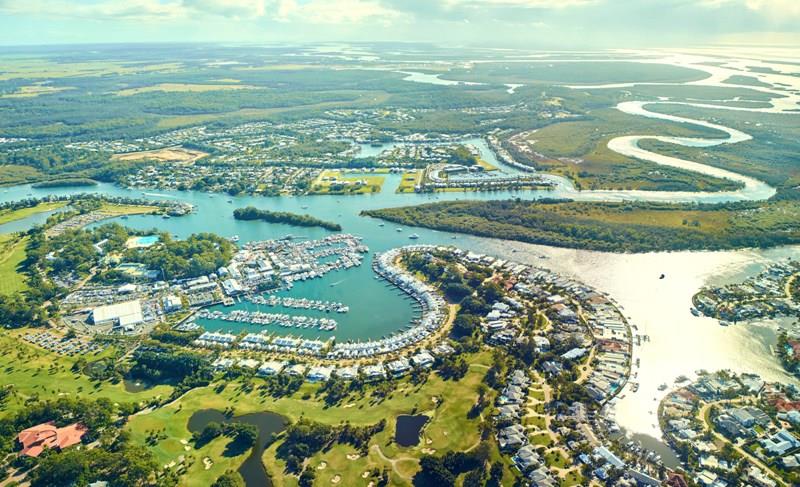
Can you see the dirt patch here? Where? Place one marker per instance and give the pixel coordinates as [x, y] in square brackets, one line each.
[168, 154]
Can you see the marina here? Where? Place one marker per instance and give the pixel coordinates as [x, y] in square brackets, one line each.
[277, 319]
[377, 310]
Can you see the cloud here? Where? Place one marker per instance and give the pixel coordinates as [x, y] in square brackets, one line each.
[303, 11]
[538, 4]
[774, 9]
[130, 9]
[335, 11]
[227, 8]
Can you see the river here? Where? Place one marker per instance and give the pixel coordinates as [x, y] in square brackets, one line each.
[680, 343]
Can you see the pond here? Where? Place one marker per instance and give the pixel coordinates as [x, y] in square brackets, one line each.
[252, 470]
[408, 429]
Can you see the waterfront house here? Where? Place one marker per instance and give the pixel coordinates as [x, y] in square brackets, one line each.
[608, 456]
[642, 479]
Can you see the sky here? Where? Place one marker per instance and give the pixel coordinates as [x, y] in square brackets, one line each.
[568, 24]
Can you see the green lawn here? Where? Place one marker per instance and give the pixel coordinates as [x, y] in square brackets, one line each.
[409, 181]
[448, 429]
[34, 372]
[338, 182]
[556, 459]
[11, 215]
[536, 394]
[572, 478]
[537, 421]
[542, 439]
[12, 253]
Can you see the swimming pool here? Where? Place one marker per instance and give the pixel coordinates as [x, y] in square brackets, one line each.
[141, 242]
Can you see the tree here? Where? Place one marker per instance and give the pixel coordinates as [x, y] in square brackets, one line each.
[211, 431]
[456, 291]
[307, 478]
[495, 474]
[244, 434]
[434, 470]
[229, 479]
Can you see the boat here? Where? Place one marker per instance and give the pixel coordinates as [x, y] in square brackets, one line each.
[413, 236]
[234, 238]
[399, 229]
[381, 224]
[165, 216]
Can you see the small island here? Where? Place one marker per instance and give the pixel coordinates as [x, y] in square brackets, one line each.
[65, 183]
[253, 213]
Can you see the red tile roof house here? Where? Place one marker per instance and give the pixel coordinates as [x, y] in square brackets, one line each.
[46, 435]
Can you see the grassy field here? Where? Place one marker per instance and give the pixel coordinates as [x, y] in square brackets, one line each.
[34, 372]
[11, 215]
[338, 182]
[34, 90]
[168, 154]
[114, 210]
[486, 166]
[446, 403]
[37, 68]
[12, 248]
[17, 174]
[12, 253]
[409, 181]
[184, 87]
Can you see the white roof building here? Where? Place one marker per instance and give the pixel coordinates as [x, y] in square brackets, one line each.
[123, 314]
[319, 374]
[271, 367]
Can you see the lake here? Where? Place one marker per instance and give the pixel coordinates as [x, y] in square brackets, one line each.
[408, 429]
[252, 470]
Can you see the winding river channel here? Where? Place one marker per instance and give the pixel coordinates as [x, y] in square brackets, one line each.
[680, 343]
